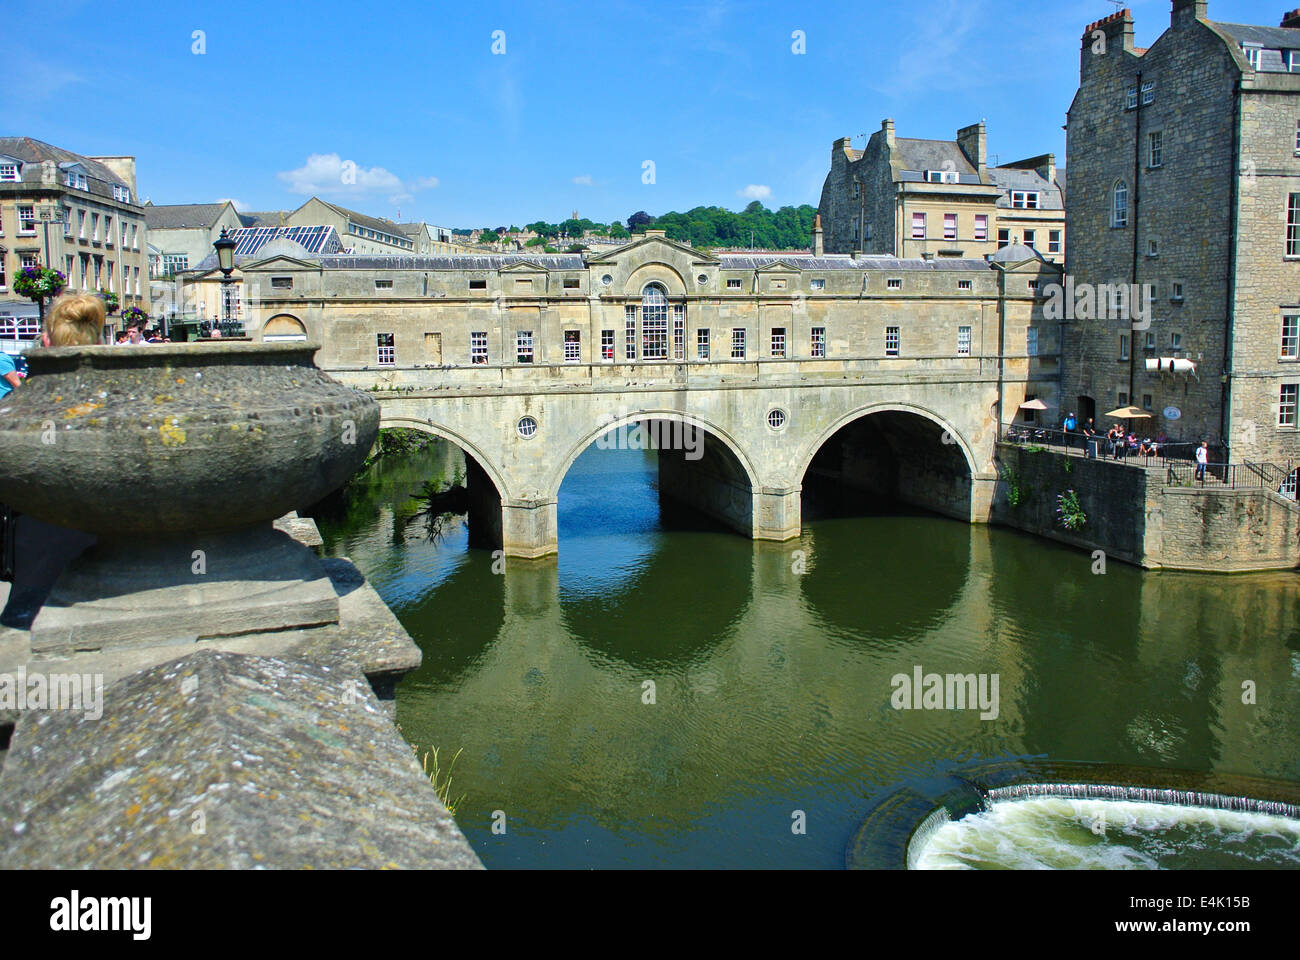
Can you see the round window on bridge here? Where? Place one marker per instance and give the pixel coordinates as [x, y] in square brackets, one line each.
[776, 419]
[607, 279]
[702, 279]
[527, 427]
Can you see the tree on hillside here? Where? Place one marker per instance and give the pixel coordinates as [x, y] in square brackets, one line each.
[639, 220]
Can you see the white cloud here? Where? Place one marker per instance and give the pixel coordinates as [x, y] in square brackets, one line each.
[755, 191]
[329, 173]
[240, 205]
[584, 180]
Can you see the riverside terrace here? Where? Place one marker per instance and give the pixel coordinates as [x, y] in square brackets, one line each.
[782, 359]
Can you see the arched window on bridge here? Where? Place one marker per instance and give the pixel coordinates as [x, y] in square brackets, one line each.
[654, 324]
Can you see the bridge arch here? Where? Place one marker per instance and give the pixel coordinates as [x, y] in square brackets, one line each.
[675, 416]
[810, 451]
[438, 430]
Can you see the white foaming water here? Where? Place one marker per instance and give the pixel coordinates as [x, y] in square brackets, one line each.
[1054, 833]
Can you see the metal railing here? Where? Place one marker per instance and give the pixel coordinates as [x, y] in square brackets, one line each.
[1074, 443]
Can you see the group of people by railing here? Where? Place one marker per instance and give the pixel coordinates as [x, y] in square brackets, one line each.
[1116, 443]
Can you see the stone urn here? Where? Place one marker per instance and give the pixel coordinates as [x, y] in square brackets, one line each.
[179, 457]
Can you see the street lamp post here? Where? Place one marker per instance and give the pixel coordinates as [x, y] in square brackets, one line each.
[225, 248]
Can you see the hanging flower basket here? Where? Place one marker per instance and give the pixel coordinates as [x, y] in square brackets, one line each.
[39, 283]
[132, 316]
[110, 302]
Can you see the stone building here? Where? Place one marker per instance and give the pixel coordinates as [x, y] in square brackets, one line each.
[1185, 180]
[938, 198]
[76, 214]
[183, 233]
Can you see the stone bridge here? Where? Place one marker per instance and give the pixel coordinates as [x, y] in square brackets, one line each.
[735, 441]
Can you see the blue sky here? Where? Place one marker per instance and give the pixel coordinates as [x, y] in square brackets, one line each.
[409, 104]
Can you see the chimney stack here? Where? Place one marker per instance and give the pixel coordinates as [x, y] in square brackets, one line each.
[887, 128]
[817, 248]
[974, 144]
[1185, 11]
[1291, 19]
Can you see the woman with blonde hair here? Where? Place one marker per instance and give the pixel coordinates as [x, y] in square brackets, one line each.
[75, 320]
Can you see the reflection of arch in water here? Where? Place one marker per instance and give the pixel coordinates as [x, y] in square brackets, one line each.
[897, 451]
[456, 623]
[483, 479]
[720, 482]
[674, 609]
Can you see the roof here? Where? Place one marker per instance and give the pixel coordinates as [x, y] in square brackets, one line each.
[1015, 178]
[365, 220]
[175, 216]
[1015, 253]
[467, 261]
[263, 218]
[734, 261]
[1277, 38]
[35, 152]
[933, 155]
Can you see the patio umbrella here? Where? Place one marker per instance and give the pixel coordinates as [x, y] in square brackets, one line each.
[1034, 404]
[1128, 413]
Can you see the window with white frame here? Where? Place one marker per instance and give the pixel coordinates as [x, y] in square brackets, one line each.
[1253, 52]
[125, 234]
[733, 283]
[112, 278]
[67, 221]
[26, 220]
[607, 346]
[572, 346]
[1029, 237]
[1286, 405]
[918, 226]
[29, 261]
[94, 227]
[385, 352]
[817, 283]
[737, 343]
[523, 346]
[1297, 138]
[629, 326]
[19, 328]
[1004, 238]
[950, 226]
[964, 285]
[679, 331]
[1053, 241]
[818, 341]
[173, 263]
[1024, 199]
[1175, 341]
[1153, 247]
[1148, 91]
[67, 268]
[981, 227]
[654, 323]
[1155, 148]
[1031, 341]
[9, 172]
[1131, 98]
[892, 341]
[1119, 204]
[1123, 346]
[478, 350]
[963, 341]
[108, 230]
[702, 344]
[894, 283]
[81, 219]
[4, 280]
[1176, 290]
[778, 342]
[1293, 225]
[1290, 336]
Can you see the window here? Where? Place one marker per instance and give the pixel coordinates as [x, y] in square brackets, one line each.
[572, 346]
[112, 275]
[607, 346]
[817, 283]
[1297, 138]
[733, 284]
[478, 284]
[75, 180]
[918, 226]
[121, 193]
[387, 353]
[857, 189]
[19, 328]
[173, 263]
[67, 269]
[4, 281]
[1148, 91]
[818, 341]
[963, 285]
[523, 346]
[1175, 341]
[1176, 291]
[1290, 336]
[523, 285]
[571, 284]
[383, 284]
[526, 427]
[1004, 238]
[894, 283]
[776, 419]
[737, 343]
[94, 227]
[981, 227]
[1031, 341]
[1024, 199]
[81, 216]
[67, 221]
[1153, 248]
[950, 226]
[1293, 225]
[629, 341]
[1119, 205]
[1286, 405]
[135, 237]
[282, 283]
[1292, 60]
[1148, 401]
[679, 331]
[26, 220]
[1123, 399]
[478, 347]
[108, 230]
[1123, 346]
[1033, 286]
[1029, 238]
[1131, 98]
[778, 342]
[891, 341]
[654, 323]
[1150, 342]
[124, 233]
[942, 176]
[29, 260]
[778, 284]
[8, 171]
[1030, 414]
[1252, 51]
[702, 344]
[1155, 148]
[1053, 241]
[963, 341]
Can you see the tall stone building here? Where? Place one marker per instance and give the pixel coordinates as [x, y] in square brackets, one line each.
[906, 197]
[1185, 176]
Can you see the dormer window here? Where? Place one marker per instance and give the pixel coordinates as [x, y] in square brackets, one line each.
[942, 176]
[1253, 52]
[8, 172]
[121, 193]
[1292, 60]
[1024, 199]
[76, 180]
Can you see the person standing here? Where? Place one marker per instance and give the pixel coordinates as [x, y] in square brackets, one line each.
[1202, 459]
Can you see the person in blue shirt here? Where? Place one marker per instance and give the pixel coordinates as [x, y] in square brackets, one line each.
[9, 377]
